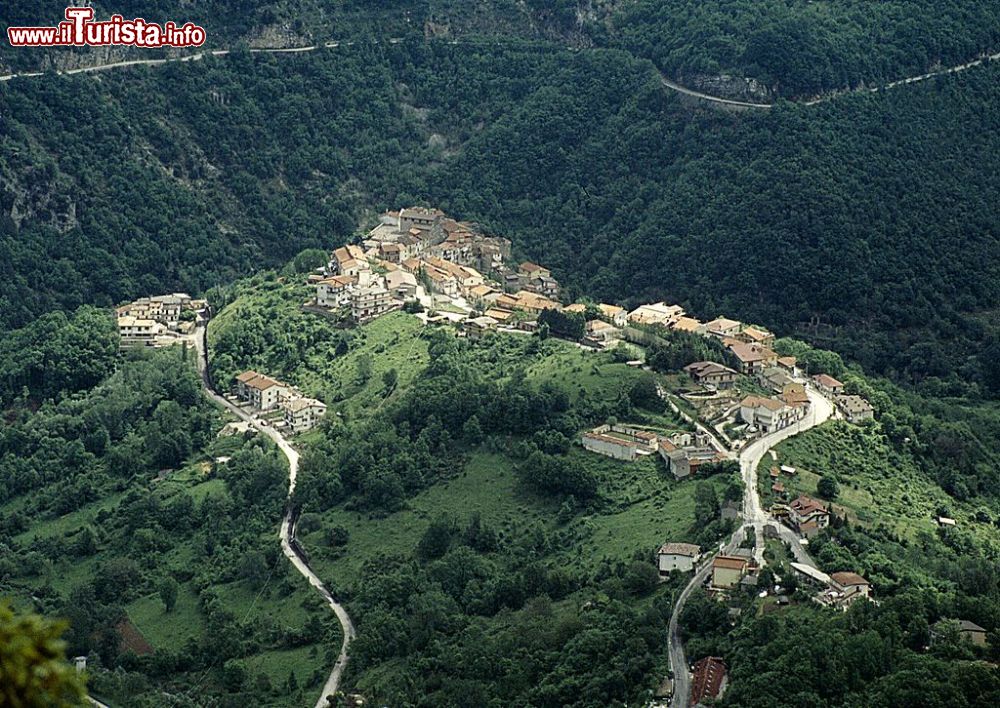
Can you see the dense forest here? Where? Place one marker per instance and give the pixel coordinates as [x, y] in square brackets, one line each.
[790, 48]
[834, 215]
[798, 49]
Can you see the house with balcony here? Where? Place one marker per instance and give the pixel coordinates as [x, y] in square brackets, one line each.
[302, 414]
[767, 414]
[370, 302]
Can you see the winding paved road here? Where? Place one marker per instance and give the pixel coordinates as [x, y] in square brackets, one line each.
[754, 517]
[666, 82]
[289, 545]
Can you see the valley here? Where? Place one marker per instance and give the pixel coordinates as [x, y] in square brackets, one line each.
[527, 353]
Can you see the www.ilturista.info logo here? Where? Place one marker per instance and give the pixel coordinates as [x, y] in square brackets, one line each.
[80, 30]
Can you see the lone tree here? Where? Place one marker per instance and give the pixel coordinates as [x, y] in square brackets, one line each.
[168, 593]
[827, 488]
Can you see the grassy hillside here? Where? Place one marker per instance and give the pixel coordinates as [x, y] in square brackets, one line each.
[878, 485]
[464, 484]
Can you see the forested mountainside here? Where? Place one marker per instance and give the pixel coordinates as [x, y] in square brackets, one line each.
[751, 48]
[871, 215]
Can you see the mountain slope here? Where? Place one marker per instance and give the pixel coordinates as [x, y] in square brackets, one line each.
[581, 158]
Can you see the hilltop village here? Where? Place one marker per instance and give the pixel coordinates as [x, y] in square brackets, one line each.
[421, 256]
[449, 271]
[452, 274]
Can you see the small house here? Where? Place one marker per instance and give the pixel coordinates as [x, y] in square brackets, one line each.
[851, 585]
[727, 571]
[827, 384]
[809, 515]
[677, 556]
[712, 374]
[753, 358]
[723, 327]
[855, 409]
[302, 414]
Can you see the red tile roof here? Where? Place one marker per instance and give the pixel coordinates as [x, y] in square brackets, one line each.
[807, 505]
[709, 676]
[729, 562]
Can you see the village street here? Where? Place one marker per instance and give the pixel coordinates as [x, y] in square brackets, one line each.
[289, 545]
[698, 425]
[755, 518]
[820, 409]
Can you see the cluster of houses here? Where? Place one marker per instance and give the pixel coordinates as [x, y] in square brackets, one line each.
[352, 285]
[682, 452]
[854, 408]
[738, 569]
[728, 570]
[621, 442]
[263, 394]
[751, 347]
[839, 590]
[157, 321]
[416, 253]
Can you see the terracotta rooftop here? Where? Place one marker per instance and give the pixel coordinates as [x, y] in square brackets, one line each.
[749, 353]
[722, 323]
[761, 402]
[846, 579]
[686, 324]
[807, 505]
[706, 368]
[758, 335]
[729, 562]
[529, 267]
[827, 380]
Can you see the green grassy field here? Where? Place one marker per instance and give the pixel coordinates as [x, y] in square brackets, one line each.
[390, 342]
[577, 371]
[644, 507]
[284, 605]
[486, 486]
[877, 484]
[168, 630]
